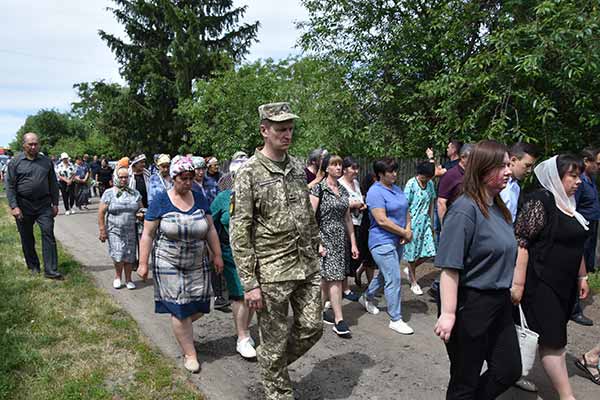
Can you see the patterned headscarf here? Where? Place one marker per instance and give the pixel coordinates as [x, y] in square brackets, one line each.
[180, 164]
[121, 187]
[139, 158]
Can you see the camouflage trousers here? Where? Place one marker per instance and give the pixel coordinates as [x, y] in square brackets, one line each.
[279, 344]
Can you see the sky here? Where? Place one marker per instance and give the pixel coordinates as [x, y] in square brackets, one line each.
[46, 48]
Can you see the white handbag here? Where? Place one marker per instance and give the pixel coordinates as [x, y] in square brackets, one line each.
[528, 343]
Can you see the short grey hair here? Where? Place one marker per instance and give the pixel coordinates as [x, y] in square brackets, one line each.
[466, 150]
[314, 156]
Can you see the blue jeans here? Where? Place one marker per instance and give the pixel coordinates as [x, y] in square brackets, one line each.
[387, 257]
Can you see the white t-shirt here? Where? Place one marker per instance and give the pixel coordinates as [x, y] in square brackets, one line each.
[355, 195]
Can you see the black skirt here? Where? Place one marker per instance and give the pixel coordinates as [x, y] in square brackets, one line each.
[547, 314]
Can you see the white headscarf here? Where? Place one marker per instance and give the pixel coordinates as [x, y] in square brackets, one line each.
[547, 174]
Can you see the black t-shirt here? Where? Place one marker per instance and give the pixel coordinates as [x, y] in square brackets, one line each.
[140, 185]
[105, 175]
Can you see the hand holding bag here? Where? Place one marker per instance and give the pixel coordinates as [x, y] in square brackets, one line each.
[528, 343]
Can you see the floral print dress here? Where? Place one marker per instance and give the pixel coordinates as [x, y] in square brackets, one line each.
[333, 231]
[419, 203]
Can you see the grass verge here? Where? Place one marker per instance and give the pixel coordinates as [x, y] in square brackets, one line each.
[68, 340]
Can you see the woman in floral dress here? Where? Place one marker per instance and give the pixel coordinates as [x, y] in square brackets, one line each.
[420, 193]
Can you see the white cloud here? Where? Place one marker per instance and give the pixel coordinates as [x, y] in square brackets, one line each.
[46, 46]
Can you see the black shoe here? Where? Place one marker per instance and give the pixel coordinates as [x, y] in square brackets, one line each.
[328, 317]
[582, 319]
[220, 302]
[351, 296]
[53, 275]
[433, 293]
[341, 328]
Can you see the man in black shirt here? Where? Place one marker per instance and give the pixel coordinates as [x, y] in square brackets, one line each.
[32, 192]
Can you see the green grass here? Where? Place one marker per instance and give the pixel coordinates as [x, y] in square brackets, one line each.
[68, 340]
[594, 281]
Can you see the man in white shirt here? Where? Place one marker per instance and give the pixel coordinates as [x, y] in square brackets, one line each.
[522, 160]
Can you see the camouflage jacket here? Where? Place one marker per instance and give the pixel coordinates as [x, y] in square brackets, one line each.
[273, 231]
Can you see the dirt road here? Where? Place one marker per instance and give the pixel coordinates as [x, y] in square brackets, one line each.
[375, 363]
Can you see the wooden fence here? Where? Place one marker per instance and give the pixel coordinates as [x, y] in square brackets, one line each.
[407, 168]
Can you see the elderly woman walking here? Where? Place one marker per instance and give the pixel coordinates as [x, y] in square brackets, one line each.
[116, 220]
[160, 181]
[181, 274]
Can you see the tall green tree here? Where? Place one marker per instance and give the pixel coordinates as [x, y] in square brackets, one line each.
[170, 44]
[50, 126]
[223, 113]
[427, 71]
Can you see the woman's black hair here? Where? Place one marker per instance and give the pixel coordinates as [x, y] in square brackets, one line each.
[589, 154]
[348, 162]
[426, 168]
[566, 162]
[384, 165]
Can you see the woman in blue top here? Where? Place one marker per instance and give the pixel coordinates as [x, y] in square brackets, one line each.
[390, 230]
[180, 255]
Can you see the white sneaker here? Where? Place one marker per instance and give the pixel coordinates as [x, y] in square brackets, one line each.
[130, 285]
[401, 327]
[67, 212]
[72, 211]
[368, 305]
[327, 305]
[191, 364]
[416, 289]
[245, 348]
[117, 283]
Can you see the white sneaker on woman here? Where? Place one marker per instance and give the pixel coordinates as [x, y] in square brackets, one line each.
[401, 327]
[416, 289]
[245, 348]
[368, 305]
[117, 283]
[130, 285]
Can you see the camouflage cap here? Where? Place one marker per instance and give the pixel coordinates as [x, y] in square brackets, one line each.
[276, 112]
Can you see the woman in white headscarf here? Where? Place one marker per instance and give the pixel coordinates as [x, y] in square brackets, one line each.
[550, 270]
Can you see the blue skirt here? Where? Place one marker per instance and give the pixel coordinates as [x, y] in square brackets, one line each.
[181, 311]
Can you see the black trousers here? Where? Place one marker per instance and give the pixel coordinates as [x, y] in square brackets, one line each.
[484, 331]
[68, 195]
[45, 220]
[82, 194]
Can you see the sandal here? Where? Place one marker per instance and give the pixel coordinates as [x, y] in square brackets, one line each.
[591, 371]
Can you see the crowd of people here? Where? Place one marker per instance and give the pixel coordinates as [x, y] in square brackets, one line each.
[282, 233]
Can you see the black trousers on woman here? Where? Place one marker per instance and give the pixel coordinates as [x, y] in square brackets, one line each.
[68, 194]
[484, 331]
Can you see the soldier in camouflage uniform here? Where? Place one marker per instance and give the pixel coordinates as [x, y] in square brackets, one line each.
[275, 240]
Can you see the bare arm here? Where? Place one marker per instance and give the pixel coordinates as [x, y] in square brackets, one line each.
[148, 235]
[215, 245]
[387, 224]
[442, 207]
[350, 229]
[449, 299]
[102, 209]
[582, 283]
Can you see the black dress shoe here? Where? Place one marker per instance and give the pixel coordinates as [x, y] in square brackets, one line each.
[53, 275]
[582, 320]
